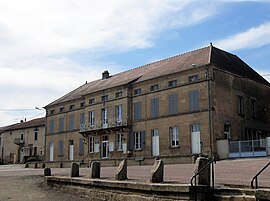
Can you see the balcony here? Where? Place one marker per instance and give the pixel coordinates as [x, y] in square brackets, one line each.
[102, 126]
[18, 141]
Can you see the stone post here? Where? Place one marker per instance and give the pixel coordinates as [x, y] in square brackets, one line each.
[35, 165]
[157, 172]
[47, 172]
[95, 169]
[204, 177]
[121, 173]
[75, 169]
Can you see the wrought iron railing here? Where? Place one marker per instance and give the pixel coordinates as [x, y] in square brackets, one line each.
[211, 163]
[101, 125]
[255, 178]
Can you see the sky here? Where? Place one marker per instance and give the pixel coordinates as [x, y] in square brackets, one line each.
[48, 48]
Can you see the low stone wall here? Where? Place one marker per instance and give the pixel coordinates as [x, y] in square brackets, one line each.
[101, 189]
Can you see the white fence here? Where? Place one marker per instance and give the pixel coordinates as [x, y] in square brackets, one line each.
[249, 148]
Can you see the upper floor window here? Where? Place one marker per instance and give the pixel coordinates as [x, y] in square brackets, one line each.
[173, 103]
[82, 118]
[62, 109]
[71, 122]
[154, 107]
[104, 98]
[52, 111]
[193, 78]
[104, 117]
[172, 83]
[137, 91]
[82, 104]
[72, 107]
[91, 101]
[194, 101]
[118, 94]
[137, 110]
[61, 124]
[253, 107]
[154, 87]
[36, 135]
[118, 113]
[92, 118]
[51, 124]
[240, 105]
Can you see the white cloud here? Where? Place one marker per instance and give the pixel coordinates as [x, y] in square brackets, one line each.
[38, 38]
[253, 38]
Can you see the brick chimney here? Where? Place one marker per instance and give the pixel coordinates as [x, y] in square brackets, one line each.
[105, 75]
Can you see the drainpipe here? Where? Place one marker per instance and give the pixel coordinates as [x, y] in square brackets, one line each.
[209, 110]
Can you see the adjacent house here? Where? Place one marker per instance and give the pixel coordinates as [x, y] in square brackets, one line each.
[172, 109]
[23, 141]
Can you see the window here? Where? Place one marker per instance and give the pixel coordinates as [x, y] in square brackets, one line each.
[62, 109]
[227, 131]
[240, 105]
[21, 137]
[154, 87]
[81, 147]
[118, 94]
[138, 140]
[193, 78]
[91, 144]
[104, 98]
[35, 151]
[82, 104]
[82, 119]
[174, 136]
[61, 124]
[92, 118]
[51, 124]
[137, 91]
[52, 111]
[195, 128]
[104, 117]
[60, 148]
[154, 107]
[194, 100]
[71, 122]
[253, 107]
[36, 135]
[137, 111]
[119, 142]
[71, 107]
[172, 83]
[173, 103]
[118, 113]
[91, 101]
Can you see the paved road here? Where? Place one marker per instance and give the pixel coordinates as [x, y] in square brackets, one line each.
[20, 184]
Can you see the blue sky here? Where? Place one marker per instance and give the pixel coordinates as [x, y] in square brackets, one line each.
[48, 47]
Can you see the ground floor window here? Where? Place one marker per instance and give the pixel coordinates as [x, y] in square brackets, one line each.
[119, 142]
[91, 144]
[174, 136]
[138, 140]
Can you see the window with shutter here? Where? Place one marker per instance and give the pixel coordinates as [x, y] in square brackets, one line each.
[71, 122]
[60, 148]
[173, 104]
[81, 147]
[154, 107]
[51, 126]
[61, 124]
[137, 111]
[194, 100]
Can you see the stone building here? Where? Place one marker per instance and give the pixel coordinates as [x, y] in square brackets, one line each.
[171, 109]
[22, 141]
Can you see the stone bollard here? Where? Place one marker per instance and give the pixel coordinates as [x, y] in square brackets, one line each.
[26, 165]
[75, 170]
[121, 173]
[35, 165]
[204, 177]
[157, 172]
[60, 165]
[47, 172]
[43, 165]
[95, 169]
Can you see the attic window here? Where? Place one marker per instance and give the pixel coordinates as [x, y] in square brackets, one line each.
[193, 78]
[118, 94]
[172, 83]
[154, 87]
[91, 101]
[137, 91]
[82, 104]
[104, 98]
[52, 111]
[61, 109]
[71, 107]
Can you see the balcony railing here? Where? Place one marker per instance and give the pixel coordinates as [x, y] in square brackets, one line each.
[18, 141]
[101, 125]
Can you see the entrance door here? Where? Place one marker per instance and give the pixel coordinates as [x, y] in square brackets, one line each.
[155, 142]
[71, 150]
[105, 147]
[195, 142]
[51, 151]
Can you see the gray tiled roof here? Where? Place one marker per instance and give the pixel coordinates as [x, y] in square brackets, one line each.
[199, 57]
[27, 124]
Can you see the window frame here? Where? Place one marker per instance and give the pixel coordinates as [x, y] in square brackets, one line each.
[172, 83]
[174, 137]
[154, 87]
[138, 140]
[119, 142]
[91, 144]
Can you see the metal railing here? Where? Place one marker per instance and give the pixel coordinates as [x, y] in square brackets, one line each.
[211, 163]
[255, 178]
[102, 125]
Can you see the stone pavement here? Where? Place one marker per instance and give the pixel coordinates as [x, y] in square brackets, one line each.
[19, 183]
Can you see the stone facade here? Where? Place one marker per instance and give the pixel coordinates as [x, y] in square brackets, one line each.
[21, 141]
[176, 107]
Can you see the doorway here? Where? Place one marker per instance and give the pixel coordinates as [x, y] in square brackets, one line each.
[195, 139]
[71, 150]
[51, 151]
[155, 142]
[105, 146]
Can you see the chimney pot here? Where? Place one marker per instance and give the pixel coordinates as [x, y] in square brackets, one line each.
[105, 75]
